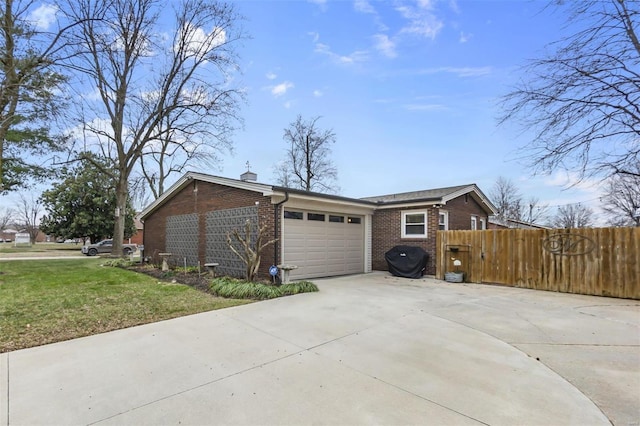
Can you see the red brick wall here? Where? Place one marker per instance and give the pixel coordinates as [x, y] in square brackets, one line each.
[460, 211]
[387, 233]
[387, 229]
[208, 197]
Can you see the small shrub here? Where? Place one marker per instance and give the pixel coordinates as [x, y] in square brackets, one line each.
[239, 289]
[298, 287]
[118, 262]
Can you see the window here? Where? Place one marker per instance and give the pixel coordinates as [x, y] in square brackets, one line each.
[414, 224]
[292, 215]
[474, 223]
[355, 220]
[315, 216]
[336, 219]
[483, 224]
[443, 220]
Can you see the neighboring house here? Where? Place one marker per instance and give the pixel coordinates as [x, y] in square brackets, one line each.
[137, 237]
[324, 235]
[497, 223]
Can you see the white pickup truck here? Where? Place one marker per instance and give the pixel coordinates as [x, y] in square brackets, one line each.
[105, 246]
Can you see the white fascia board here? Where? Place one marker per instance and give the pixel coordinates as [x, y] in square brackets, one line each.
[408, 205]
[309, 202]
[473, 189]
[266, 190]
[180, 183]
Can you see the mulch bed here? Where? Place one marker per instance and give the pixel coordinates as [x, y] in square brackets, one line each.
[192, 279]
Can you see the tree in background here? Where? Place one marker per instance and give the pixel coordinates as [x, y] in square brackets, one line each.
[582, 102]
[510, 204]
[621, 200]
[573, 216]
[30, 91]
[6, 217]
[308, 166]
[151, 85]
[28, 210]
[81, 205]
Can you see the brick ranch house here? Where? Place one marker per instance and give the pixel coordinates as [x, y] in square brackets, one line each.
[324, 235]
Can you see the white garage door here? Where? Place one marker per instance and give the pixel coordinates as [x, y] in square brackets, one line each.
[323, 244]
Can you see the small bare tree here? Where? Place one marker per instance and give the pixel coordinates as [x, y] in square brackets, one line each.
[507, 199]
[6, 216]
[573, 216]
[309, 166]
[621, 200]
[27, 216]
[250, 250]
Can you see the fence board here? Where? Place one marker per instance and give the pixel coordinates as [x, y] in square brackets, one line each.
[594, 261]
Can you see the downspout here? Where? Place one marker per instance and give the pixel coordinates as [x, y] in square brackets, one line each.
[275, 227]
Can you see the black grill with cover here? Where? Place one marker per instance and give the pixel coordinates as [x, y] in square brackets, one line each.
[406, 261]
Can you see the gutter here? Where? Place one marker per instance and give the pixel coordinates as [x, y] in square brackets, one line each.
[276, 210]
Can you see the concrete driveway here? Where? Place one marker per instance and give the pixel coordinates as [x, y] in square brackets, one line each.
[366, 349]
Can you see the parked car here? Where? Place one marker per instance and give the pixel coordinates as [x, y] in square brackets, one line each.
[105, 246]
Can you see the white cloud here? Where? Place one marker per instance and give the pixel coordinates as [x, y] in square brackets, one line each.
[425, 107]
[385, 45]
[44, 16]
[199, 42]
[281, 89]
[288, 104]
[317, 93]
[459, 71]
[314, 35]
[464, 37]
[271, 76]
[354, 57]
[363, 6]
[422, 21]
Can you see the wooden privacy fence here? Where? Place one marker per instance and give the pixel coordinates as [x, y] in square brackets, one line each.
[594, 261]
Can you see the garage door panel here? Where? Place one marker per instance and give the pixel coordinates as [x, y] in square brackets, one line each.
[323, 248]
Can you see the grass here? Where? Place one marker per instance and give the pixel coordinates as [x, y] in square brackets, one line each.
[230, 287]
[9, 248]
[46, 301]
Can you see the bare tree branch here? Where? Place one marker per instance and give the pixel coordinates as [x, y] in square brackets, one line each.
[158, 98]
[582, 102]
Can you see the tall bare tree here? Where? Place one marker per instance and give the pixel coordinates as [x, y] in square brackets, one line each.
[27, 215]
[621, 200]
[573, 216]
[6, 216]
[507, 198]
[309, 166]
[151, 86]
[30, 89]
[582, 101]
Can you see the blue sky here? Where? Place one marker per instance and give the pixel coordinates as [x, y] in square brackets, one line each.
[411, 90]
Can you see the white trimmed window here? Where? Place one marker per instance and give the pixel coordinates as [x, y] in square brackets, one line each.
[474, 223]
[414, 224]
[443, 220]
[483, 224]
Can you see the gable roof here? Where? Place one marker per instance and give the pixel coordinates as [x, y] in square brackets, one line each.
[428, 196]
[424, 195]
[435, 196]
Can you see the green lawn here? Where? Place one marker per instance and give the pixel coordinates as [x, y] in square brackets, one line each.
[51, 248]
[46, 301]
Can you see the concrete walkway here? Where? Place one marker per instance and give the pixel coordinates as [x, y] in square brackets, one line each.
[367, 349]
